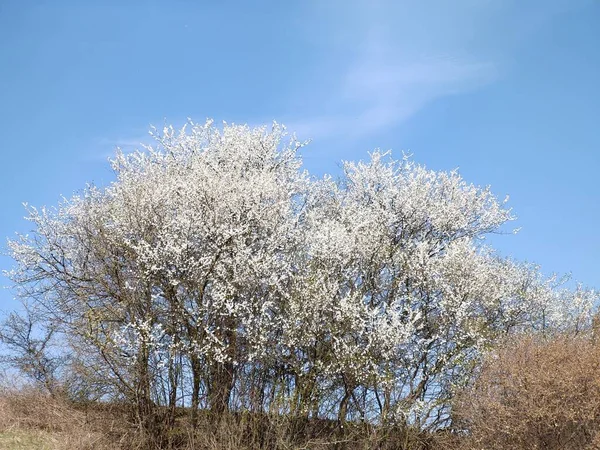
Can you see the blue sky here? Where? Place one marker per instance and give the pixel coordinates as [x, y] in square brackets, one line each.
[507, 91]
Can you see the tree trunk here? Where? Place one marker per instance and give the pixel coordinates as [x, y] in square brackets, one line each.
[196, 380]
[221, 387]
[145, 406]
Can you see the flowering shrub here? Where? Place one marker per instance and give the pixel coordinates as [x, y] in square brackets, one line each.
[215, 273]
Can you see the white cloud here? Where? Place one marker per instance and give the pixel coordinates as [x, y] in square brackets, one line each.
[393, 58]
[377, 95]
[104, 149]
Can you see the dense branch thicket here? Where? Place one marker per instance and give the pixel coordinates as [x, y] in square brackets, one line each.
[535, 393]
[214, 273]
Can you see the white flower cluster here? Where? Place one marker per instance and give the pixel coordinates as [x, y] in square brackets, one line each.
[215, 247]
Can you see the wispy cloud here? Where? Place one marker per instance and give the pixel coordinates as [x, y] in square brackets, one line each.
[376, 95]
[393, 58]
[105, 148]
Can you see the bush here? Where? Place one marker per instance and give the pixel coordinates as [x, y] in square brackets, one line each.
[535, 393]
[215, 273]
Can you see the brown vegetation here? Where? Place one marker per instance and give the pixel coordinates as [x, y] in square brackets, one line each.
[535, 393]
[30, 418]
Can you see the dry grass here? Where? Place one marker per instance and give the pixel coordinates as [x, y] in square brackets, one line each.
[31, 419]
[251, 432]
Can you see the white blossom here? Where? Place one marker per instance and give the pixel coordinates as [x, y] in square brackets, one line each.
[215, 246]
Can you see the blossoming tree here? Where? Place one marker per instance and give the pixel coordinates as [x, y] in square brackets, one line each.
[215, 273]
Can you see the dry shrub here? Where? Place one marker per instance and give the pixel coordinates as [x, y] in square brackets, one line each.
[30, 418]
[250, 431]
[535, 393]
